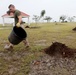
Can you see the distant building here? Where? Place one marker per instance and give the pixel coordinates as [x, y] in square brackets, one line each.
[24, 15]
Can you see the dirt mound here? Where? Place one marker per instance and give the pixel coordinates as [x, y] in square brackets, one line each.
[74, 29]
[27, 27]
[34, 27]
[59, 48]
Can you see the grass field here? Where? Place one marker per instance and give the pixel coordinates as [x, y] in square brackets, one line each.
[18, 61]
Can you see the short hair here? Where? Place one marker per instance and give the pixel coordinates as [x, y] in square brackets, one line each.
[8, 12]
[11, 5]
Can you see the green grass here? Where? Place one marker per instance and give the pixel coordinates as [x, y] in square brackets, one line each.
[39, 38]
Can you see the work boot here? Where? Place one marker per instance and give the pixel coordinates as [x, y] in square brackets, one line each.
[8, 47]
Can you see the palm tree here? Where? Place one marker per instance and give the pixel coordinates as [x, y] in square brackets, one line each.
[48, 18]
[35, 18]
[62, 18]
[70, 19]
[42, 14]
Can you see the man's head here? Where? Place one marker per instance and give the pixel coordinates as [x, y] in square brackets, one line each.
[11, 8]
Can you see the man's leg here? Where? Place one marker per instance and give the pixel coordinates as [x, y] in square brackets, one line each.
[26, 42]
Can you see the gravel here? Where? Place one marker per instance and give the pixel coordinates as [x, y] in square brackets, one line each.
[53, 65]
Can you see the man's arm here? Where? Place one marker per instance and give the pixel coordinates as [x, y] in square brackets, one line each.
[19, 22]
[20, 19]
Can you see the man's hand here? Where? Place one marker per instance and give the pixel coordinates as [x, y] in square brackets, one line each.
[18, 24]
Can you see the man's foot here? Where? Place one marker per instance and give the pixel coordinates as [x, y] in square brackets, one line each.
[26, 43]
[8, 47]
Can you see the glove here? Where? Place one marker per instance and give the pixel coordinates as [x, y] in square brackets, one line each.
[18, 24]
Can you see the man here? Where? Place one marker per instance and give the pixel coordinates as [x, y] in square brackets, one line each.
[18, 21]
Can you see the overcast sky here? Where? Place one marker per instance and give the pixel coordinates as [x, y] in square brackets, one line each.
[54, 8]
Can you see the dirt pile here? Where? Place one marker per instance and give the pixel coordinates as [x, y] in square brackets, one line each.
[27, 27]
[55, 64]
[35, 27]
[60, 49]
[74, 29]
